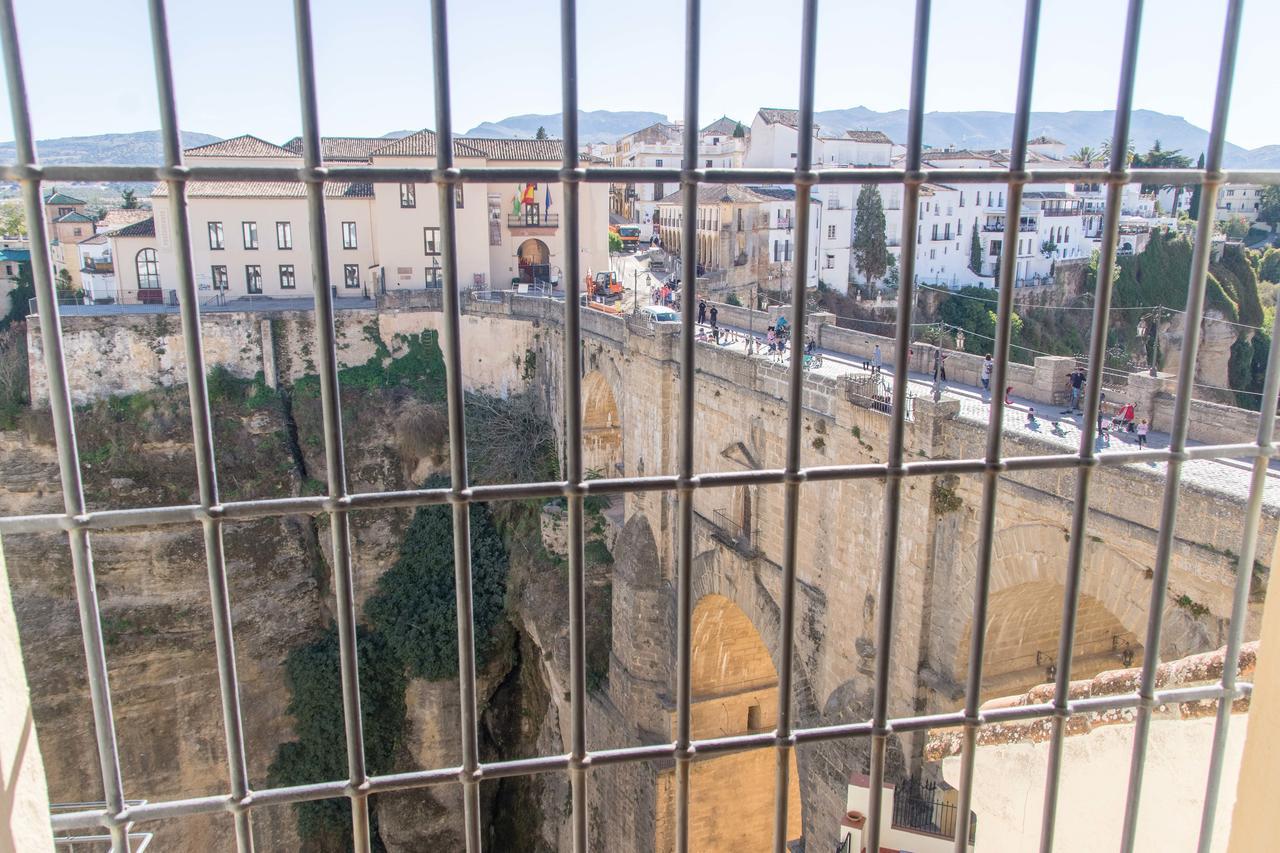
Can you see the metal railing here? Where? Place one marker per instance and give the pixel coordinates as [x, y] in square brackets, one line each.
[338, 503]
[541, 220]
[920, 807]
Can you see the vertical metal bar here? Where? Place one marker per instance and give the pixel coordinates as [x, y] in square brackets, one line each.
[795, 403]
[202, 431]
[897, 425]
[331, 408]
[684, 474]
[1181, 413]
[995, 422]
[1093, 401]
[451, 339]
[64, 432]
[573, 426]
[1240, 601]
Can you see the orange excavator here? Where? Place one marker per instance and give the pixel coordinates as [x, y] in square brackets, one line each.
[604, 286]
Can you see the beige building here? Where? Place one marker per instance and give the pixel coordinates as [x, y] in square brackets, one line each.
[251, 238]
[68, 223]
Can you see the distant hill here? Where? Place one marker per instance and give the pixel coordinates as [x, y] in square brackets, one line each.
[1075, 129]
[593, 125]
[122, 149]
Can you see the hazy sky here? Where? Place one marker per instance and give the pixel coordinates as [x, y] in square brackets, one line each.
[89, 67]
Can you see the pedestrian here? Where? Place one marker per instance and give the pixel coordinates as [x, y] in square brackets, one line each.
[1076, 380]
[877, 361]
[866, 360]
[772, 340]
[715, 313]
[939, 365]
[808, 346]
[1143, 428]
[1102, 403]
[1031, 416]
[702, 311]
[1008, 396]
[986, 374]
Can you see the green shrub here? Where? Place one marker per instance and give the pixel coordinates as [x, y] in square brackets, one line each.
[313, 675]
[415, 607]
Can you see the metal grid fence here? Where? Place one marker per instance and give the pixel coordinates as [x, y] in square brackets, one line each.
[211, 512]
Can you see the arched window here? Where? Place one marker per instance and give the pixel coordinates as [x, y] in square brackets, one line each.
[148, 270]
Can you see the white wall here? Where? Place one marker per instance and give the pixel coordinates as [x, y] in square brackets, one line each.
[1008, 789]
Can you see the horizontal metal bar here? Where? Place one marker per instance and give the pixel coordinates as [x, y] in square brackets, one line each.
[701, 749]
[621, 175]
[120, 519]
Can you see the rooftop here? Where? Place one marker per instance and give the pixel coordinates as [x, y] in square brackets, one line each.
[56, 197]
[74, 216]
[519, 149]
[728, 193]
[876, 136]
[118, 217]
[16, 255]
[423, 144]
[266, 189]
[144, 228]
[723, 125]
[1044, 140]
[334, 149]
[247, 145]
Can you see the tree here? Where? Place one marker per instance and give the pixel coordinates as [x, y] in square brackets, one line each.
[1236, 228]
[1085, 156]
[975, 249]
[1105, 152]
[129, 199]
[1269, 266]
[973, 311]
[24, 290]
[1194, 212]
[870, 250]
[13, 222]
[542, 133]
[1269, 207]
[1160, 158]
[739, 131]
[615, 243]
[414, 606]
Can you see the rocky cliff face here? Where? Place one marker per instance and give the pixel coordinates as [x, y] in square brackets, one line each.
[1216, 338]
[153, 588]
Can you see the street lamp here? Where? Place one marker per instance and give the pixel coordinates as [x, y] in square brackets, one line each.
[1150, 326]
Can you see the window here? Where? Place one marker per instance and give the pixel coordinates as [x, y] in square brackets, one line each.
[148, 269]
[935, 231]
[962, 199]
[708, 164]
[658, 191]
[219, 277]
[215, 236]
[249, 230]
[947, 232]
[933, 254]
[431, 241]
[786, 250]
[63, 211]
[253, 278]
[457, 197]
[776, 257]
[995, 249]
[348, 235]
[287, 279]
[658, 162]
[959, 228]
[284, 235]
[831, 232]
[831, 262]
[408, 195]
[351, 275]
[75, 232]
[433, 276]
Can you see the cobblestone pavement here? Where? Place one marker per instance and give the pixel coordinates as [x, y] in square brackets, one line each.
[1055, 426]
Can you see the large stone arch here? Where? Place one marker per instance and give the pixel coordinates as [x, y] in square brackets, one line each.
[602, 433]
[1028, 576]
[734, 686]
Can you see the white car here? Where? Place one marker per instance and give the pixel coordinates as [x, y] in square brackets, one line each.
[659, 314]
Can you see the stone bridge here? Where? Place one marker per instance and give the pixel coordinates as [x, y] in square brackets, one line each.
[630, 398]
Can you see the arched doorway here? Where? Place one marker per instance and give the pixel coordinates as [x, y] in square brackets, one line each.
[735, 691]
[534, 260]
[601, 427]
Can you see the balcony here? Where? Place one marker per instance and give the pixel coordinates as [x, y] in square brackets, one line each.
[1060, 211]
[532, 220]
[998, 227]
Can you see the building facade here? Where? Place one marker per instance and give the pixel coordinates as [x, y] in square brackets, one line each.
[251, 239]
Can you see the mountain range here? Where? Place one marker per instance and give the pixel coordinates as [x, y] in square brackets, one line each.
[985, 129]
[120, 149]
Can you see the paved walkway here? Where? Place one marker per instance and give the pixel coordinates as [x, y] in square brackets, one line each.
[300, 303]
[1229, 476]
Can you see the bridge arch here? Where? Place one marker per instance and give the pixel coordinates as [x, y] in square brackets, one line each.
[1028, 576]
[601, 425]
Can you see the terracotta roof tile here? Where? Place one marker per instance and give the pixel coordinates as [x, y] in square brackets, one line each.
[869, 136]
[145, 228]
[423, 144]
[247, 145]
[266, 189]
[333, 149]
[519, 149]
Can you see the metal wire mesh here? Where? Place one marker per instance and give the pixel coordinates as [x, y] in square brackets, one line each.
[117, 815]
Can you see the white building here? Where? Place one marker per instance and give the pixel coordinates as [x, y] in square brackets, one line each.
[253, 238]
[661, 145]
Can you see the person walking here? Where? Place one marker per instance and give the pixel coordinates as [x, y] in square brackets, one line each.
[987, 367]
[939, 365]
[877, 361]
[1143, 428]
[715, 313]
[702, 311]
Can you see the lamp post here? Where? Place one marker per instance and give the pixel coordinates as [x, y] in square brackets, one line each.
[1150, 325]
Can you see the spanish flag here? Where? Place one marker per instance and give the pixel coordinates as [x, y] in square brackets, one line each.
[530, 194]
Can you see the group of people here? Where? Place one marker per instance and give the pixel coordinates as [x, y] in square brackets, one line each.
[665, 294]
